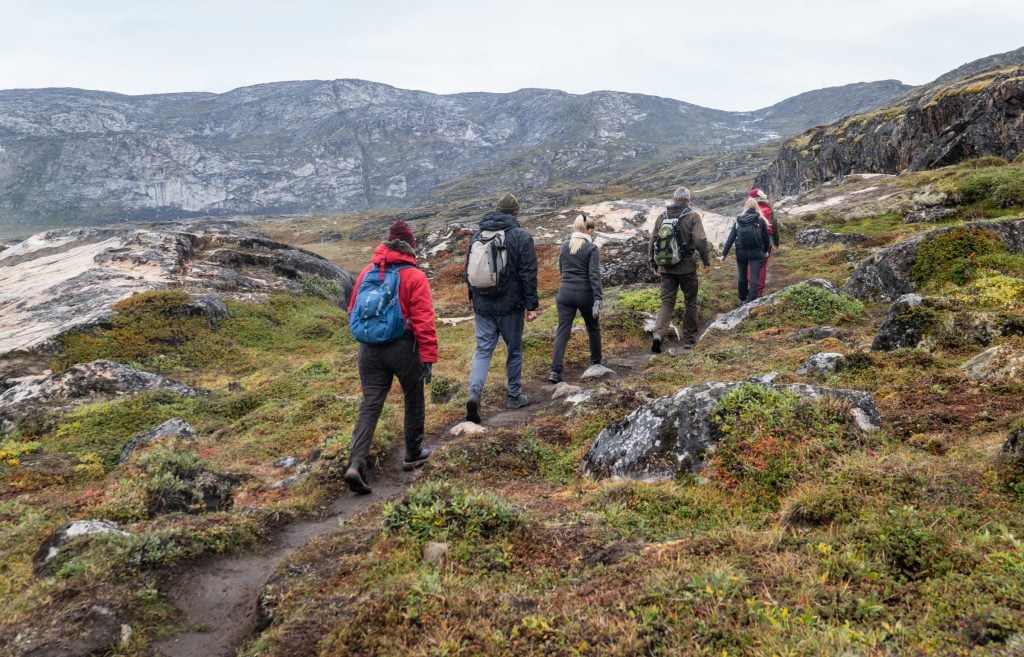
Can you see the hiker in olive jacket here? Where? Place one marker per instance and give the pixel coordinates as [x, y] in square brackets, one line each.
[682, 275]
[750, 234]
[502, 315]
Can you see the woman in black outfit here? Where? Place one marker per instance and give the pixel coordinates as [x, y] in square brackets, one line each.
[580, 291]
[750, 233]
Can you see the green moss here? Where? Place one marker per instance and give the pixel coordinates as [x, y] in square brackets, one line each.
[983, 185]
[644, 300]
[803, 304]
[949, 257]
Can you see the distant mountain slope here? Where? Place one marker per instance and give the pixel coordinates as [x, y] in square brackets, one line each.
[976, 110]
[74, 156]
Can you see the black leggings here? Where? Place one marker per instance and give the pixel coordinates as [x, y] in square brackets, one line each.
[569, 303]
[750, 274]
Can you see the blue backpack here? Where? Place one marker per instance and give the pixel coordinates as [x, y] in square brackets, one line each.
[376, 316]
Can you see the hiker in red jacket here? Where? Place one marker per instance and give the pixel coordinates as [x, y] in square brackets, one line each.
[773, 232]
[409, 358]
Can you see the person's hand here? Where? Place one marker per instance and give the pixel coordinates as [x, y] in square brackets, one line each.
[426, 372]
[595, 310]
[531, 315]
[656, 272]
[721, 258]
[707, 269]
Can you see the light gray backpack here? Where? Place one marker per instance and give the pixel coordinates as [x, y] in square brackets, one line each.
[487, 265]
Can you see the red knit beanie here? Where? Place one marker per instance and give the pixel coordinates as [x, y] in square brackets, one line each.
[401, 231]
[758, 194]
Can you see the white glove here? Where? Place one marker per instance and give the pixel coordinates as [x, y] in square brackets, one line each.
[596, 309]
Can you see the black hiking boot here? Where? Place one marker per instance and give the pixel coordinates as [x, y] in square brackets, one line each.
[554, 377]
[689, 343]
[473, 409]
[518, 402]
[656, 346]
[411, 463]
[356, 481]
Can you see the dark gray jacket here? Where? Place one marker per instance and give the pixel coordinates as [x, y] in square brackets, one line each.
[581, 271]
[520, 291]
[747, 218]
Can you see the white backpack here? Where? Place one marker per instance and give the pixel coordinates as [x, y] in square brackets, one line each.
[487, 265]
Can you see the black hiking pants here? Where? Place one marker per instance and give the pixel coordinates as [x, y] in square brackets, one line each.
[378, 366]
[570, 302]
[749, 275]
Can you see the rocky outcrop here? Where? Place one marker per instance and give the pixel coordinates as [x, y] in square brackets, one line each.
[61, 280]
[905, 324]
[173, 428]
[886, 275]
[59, 541]
[671, 435]
[730, 320]
[1000, 363]
[348, 145]
[824, 362]
[936, 125]
[626, 262]
[822, 237]
[86, 382]
[928, 322]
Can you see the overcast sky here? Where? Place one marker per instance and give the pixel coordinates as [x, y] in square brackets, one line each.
[733, 55]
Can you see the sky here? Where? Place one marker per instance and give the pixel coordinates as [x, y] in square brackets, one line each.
[726, 54]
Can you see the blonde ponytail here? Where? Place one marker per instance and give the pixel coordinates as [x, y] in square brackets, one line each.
[581, 234]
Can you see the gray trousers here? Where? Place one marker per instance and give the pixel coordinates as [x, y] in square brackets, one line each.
[488, 329]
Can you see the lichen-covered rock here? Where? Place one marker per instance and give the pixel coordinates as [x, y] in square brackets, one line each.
[822, 237]
[173, 428]
[929, 322]
[85, 382]
[819, 333]
[626, 262]
[886, 275]
[671, 435]
[823, 362]
[200, 491]
[928, 215]
[60, 539]
[563, 389]
[467, 429]
[905, 324]
[73, 630]
[1000, 363]
[730, 320]
[597, 371]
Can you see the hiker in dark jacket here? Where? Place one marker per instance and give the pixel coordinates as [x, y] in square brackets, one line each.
[774, 228]
[502, 314]
[410, 358]
[682, 275]
[750, 234]
[579, 291]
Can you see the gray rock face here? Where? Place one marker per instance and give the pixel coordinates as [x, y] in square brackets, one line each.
[173, 428]
[100, 379]
[904, 328]
[730, 320]
[626, 262]
[928, 215]
[68, 279]
[672, 434]
[61, 537]
[823, 362]
[885, 275]
[1000, 363]
[348, 145]
[822, 237]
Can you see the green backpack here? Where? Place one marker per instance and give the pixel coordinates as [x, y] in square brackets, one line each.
[669, 246]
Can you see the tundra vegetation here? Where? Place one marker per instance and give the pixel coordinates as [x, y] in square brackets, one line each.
[801, 536]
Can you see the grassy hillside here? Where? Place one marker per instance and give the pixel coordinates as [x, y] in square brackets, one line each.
[800, 538]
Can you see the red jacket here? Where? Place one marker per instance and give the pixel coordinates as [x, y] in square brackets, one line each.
[413, 296]
[766, 210]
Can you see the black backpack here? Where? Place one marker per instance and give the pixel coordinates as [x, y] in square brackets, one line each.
[748, 236]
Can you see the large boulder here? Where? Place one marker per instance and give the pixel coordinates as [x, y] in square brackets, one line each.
[886, 275]
[85, 382]
[1000, 363]
[672, 434]
[917, 321]
[822, 237]
[822, 363]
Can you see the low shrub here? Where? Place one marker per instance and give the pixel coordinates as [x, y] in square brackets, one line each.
[322, 288]
[441, 510]
[982, 185]
[804, 304]
[949, 257]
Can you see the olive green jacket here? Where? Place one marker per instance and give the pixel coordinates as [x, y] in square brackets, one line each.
[693, 234]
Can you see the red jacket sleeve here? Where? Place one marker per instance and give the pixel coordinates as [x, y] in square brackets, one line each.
[418, 307]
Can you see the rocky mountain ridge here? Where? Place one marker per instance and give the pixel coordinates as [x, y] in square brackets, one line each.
[69, 156]
[974, 111]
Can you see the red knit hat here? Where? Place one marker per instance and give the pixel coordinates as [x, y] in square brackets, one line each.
[401, 231]
[758, 194]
